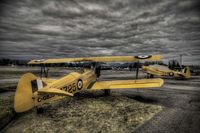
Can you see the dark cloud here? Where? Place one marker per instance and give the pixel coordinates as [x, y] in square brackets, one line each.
[71, 28]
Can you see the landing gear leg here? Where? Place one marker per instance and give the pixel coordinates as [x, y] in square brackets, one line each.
[44, 70]
[151, 76]
[107, 92]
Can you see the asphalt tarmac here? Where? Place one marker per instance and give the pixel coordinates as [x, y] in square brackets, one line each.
[181, 101]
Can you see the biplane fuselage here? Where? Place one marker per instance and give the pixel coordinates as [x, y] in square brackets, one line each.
[71, 83]
[34, 91]
[65, 86]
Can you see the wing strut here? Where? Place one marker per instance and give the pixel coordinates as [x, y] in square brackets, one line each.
[44, 71]
[137, 69]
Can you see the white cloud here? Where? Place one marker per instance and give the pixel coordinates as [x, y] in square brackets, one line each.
[93, 7]
[50, 28]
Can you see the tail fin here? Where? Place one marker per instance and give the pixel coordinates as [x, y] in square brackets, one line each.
[23, 96]
[187, 72]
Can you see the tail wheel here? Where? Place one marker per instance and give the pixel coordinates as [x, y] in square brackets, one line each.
[40, 110]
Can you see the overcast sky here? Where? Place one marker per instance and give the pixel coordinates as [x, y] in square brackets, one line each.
[73, 28]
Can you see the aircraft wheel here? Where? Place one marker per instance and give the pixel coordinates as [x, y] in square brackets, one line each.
[40, 110]
[107, 92]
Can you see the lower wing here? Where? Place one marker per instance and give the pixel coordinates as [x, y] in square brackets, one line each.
[127, 84]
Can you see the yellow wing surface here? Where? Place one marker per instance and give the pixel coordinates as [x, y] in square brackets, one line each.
[127, 84]
[97, 59]
[54, 91]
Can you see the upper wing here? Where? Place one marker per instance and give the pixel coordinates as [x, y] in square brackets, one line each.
[127, 84]
[97, 59]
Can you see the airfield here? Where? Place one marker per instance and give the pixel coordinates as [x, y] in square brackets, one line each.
[175, 107]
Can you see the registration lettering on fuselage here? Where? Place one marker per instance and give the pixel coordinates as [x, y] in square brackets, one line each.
[72, 87]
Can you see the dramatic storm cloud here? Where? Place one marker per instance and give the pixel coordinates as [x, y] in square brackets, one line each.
[70, 28]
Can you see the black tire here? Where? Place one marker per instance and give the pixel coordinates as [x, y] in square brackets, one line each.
[40, 110]
[79, 84]
[107, 92]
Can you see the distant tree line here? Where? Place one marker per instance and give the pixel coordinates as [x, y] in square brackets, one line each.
[195, 69]
[174, 65]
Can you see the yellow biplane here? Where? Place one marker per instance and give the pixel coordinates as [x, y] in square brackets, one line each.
[34, 91]
[160, 71]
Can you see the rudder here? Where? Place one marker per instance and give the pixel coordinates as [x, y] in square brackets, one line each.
[187, 72]
[23, 100]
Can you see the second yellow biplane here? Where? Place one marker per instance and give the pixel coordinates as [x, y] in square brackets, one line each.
[165, 72]
[33, 91]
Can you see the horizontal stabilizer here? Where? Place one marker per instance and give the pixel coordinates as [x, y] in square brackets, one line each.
[97, 59]
[54, 91]
[128, 84]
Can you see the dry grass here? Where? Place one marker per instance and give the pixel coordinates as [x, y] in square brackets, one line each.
[87, 113]
[6, 110]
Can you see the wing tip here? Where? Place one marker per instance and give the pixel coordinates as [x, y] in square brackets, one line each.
[161, 82]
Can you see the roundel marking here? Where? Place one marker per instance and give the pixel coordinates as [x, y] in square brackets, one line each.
[80, 84]
[143, 56]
